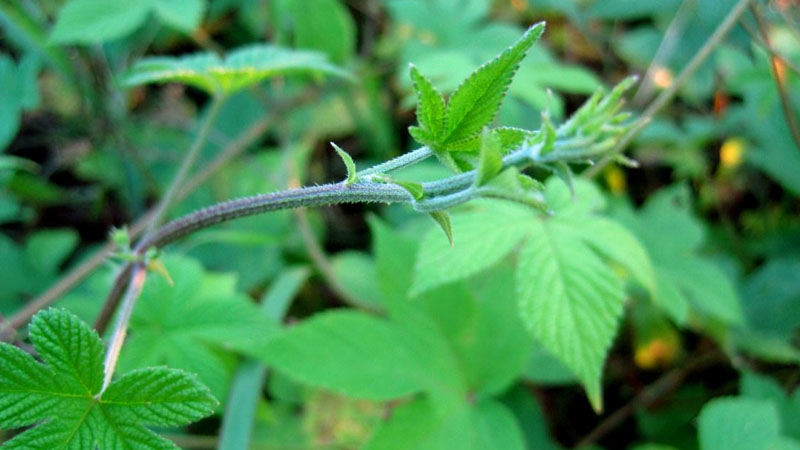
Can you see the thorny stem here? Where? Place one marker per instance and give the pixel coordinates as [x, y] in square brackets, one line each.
[666, 96]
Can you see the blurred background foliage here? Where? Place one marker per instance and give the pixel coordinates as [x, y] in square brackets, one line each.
[715, 203]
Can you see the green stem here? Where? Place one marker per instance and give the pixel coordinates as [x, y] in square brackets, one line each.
[404, 160]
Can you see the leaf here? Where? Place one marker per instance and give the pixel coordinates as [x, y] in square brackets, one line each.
[95, 21]
[489, 161]
[64, 396]
[430, 106]
[442, 218]
[347, 352]
[240, 69]
[754, 385]
[480, 241]
[323, 25]
[352, 176]
[194, 325]
[740, 424]
[570, 300]
[477, 100]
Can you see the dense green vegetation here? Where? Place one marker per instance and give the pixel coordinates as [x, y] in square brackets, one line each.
[410, 224]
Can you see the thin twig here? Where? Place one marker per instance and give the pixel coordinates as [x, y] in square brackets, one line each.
[772, 51]
[780, 82]
[658, 389]
[666, 95]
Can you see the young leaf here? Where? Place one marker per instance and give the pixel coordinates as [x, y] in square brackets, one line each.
[64, 395]
[476, 102]
[240, 69]
[430, 105]
[442, 218]
[489, 161]
[348, 162]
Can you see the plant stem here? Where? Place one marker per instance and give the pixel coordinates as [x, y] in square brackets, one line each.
[79, 273]
[137, 277]
[186, 165]
[666, 96]
[404, 160]
[780, 82]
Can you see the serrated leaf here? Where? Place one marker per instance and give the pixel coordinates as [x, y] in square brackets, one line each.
[65, 394]
[352, 176]
[241, 68]
[348, 352]
[476, 102]
[570, 300]
[430, 105]
[490, 161]
[481, 240]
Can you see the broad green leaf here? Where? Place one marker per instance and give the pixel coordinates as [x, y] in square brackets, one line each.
[322, 25]
[480, 240]
[739, 424]
[570, 300]
[194, 324]
[475, 103]
[349, 164]
[184, 15]
[430, 106]
[358, 275]
[95, 21]
[754, 385]
[616, 243]
[421, 425]
[347, 352]
[64, 395]
[241, 68]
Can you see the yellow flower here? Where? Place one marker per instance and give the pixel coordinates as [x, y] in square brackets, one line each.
[731, 152]
[659, 352]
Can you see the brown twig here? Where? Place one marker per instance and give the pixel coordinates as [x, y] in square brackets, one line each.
[780, 82]
[649, 395]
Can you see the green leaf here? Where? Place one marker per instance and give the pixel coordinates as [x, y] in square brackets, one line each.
[195, 324]
[95, 21]
[347, 352]
[490, 161]
[442, 218]
[352, 176]
[430, 106]
[570, 300]
[754, 385]
[741, 424]
[240, 69]
[480, 239]
[477, 100]
[65, 394]
[323, 25]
